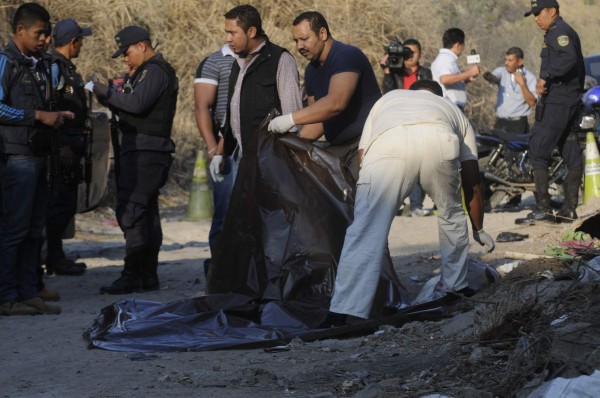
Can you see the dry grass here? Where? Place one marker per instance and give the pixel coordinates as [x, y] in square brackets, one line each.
[188, 30]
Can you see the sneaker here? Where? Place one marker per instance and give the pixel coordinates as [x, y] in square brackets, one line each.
[16, 308]
[420, 212]
[49, 295]
[41, 306]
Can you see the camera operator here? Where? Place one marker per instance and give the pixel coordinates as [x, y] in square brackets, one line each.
[401, 69]
[403, 74]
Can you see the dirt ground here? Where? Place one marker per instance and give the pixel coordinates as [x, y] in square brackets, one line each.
[46, 356]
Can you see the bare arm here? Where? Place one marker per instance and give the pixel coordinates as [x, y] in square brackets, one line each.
[312, 131]
[460, 77]
[473, 191]
[341, 89]
[205, 95]
[527, 95]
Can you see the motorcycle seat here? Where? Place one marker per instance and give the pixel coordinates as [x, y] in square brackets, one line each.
[510, 137]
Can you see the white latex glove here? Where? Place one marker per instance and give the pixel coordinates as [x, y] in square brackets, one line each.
[215, 168]
[89, 86]
[281, 124]
[484, 239]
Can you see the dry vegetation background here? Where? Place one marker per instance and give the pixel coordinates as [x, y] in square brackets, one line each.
[188, 30]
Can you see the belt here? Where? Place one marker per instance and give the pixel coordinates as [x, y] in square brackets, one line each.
[513, 118]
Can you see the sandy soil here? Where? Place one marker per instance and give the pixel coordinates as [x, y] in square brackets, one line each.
[46, 356]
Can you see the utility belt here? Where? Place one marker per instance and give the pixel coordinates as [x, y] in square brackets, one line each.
[513, 119]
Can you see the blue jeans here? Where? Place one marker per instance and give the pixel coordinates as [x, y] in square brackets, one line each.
[24, 205]
[416, 196]
[221, 194]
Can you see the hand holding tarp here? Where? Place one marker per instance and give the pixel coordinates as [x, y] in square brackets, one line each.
[281, 124]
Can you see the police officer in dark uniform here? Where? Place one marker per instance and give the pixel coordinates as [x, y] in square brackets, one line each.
[68, 40]
[146, 110]
[559, 88]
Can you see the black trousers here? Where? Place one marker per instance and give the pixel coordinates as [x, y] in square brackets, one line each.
[142, 174]
[558, 128]
[348, 155]
[517, 126]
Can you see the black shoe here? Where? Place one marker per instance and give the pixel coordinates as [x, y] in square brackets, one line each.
[150, 282]
[333, 320]
[541, 215]
[565, 216]
[125, 284]
[462, 293]
[63, 266]
[206, 267]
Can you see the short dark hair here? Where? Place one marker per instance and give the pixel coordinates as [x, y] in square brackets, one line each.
[515, 51]
[413, 42]
[452, 36]
[29, 13]
[246, 17]
[315, 19]
[430, 85]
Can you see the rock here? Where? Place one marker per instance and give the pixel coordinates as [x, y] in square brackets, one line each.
[373, 390]
[479, 353]
[470, 392]
[461, 323]
[414, 329]
[393, 383]
[325, 394]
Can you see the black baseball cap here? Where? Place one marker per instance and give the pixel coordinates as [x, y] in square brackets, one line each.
[128, 36]
[539, 5]
[67, 30]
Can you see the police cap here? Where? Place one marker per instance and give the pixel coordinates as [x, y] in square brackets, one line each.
[539, 5]
[67, 30]
[128, 36]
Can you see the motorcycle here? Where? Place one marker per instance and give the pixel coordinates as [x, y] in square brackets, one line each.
[504, 162]
[506, 168]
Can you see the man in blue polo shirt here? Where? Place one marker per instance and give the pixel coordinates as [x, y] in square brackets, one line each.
[341, 88]
[516, 92]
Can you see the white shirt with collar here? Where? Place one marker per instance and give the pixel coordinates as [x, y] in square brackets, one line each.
[446, 64]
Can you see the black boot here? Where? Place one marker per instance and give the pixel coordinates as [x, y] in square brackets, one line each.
[148, 270]
[567, 213]
[130, 280]
[61, 265]
[543, 209]
[333, 320]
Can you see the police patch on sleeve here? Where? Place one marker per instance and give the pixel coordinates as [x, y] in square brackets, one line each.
[143, 76]
[563, 40]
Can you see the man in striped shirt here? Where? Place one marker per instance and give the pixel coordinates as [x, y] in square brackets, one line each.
[210, 94]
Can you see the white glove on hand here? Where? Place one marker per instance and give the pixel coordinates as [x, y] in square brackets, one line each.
[215, 168]
[484, 239]
[281, 124]
[89, 86]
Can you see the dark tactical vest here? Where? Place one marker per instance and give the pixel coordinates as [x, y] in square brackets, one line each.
[158, 119]
[29, 90]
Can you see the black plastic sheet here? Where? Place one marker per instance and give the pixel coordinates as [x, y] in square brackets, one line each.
[272, 276]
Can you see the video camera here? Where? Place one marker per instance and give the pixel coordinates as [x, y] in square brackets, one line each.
[397, 53]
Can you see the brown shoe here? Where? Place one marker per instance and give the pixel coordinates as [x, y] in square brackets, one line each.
[41, 306]
[16, 308]
[49, 295]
